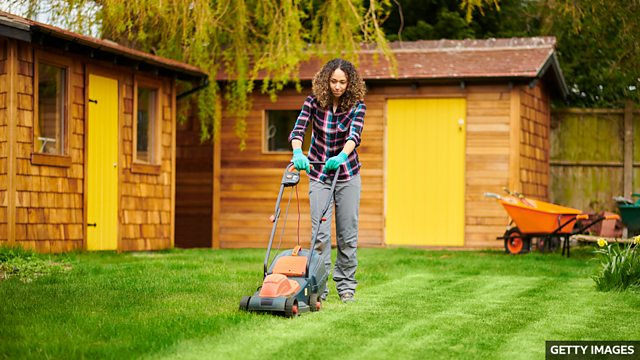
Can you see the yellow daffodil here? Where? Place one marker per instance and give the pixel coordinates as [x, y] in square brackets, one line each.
[636, 240]
[602, 242]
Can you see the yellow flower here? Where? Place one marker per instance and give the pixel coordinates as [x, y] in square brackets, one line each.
[636, 240]
[602, 242]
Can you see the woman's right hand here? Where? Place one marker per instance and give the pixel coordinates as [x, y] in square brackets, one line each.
[300, 161]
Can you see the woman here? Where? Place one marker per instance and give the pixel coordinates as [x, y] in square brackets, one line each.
[336, 112]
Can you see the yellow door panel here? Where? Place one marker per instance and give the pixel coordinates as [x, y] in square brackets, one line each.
[425, 179]
[102, 164]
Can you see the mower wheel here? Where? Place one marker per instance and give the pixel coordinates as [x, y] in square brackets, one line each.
[244, 303]
[515, 242]
[291, 307]
[314, 302]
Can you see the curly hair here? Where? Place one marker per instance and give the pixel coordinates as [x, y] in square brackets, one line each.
[355, 87]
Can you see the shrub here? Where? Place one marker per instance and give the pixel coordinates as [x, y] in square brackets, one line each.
[26, 265]
[620, 266]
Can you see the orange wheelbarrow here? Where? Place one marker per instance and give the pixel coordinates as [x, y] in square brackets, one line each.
[549, 223]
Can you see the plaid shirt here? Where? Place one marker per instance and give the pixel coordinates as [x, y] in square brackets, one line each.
[329, 135]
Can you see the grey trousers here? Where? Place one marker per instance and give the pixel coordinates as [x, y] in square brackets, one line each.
[347, 203]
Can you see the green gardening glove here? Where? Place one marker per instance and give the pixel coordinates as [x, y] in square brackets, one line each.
[334, 162]
[300, 161]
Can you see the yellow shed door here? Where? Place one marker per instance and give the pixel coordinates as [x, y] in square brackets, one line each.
[425, 172]
[102, 164]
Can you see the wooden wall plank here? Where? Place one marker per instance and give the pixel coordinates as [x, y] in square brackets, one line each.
[489, 149]
[4, 143]
[194, 182]
[514, 141]
[217, 173]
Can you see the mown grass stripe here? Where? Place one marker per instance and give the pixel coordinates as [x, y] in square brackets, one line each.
[411, 304]
[446, 323]
[373, 337]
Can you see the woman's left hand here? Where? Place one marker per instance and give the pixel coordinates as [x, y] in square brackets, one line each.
[335, 161]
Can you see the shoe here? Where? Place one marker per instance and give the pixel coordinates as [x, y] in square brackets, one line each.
[347, 297]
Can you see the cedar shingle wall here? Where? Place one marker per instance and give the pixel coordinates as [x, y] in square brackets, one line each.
[49, 199]
[145, 199]
[3, 141]
[535, 119]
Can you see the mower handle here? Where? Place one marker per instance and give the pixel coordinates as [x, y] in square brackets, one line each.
[322, 218]
[310, 163]
[274, 218]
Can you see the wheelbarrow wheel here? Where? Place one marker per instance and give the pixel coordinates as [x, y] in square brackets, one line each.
[515, 242]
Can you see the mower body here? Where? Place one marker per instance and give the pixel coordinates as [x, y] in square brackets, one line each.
[286, 290]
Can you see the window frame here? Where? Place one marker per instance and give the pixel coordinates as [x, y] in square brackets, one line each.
[37, 157]
[154, 166]
[265, 139]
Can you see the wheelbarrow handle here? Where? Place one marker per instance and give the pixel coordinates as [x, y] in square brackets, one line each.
[594, 222]
[492, 195]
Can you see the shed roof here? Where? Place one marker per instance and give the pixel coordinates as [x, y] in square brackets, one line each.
[524, 59]
[16, 27]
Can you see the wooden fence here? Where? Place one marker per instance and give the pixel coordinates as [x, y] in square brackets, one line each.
[595, 155]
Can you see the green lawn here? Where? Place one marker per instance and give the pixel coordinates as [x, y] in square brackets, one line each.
[411, 304]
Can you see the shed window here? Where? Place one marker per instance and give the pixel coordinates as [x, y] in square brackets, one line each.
[279, 124]
[147, 121]
[49, 132]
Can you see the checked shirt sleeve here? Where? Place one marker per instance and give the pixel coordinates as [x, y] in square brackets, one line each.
[355, 130]
[303, 120]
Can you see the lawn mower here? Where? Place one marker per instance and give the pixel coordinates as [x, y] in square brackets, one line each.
[295, 279]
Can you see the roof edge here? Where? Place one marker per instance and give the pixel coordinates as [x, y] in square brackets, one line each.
[24, 29]
[553, 63]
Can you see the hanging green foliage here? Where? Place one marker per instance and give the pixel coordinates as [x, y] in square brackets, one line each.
[476, 5]
[241, 40]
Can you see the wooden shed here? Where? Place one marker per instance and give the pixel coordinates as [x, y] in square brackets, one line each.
[87, 141]
[461, 118]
